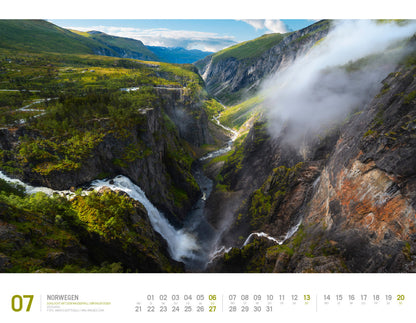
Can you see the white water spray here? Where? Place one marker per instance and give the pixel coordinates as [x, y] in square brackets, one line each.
[261, 234]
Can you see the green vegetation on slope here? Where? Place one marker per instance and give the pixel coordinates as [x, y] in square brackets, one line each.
[87, 122]
[262, 255]
[39, 36]
[249, 49]
[100, 232]
[233, 164]
[42, 36]
[124, 46]
[235, 116]
[318, 27]
[125, 43]
[79, 103]
[266, 200]
[49, 74]
[87, 105]
[27, 77]
[212, 107]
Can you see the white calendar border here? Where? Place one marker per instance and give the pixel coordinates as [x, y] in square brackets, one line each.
[123, 291]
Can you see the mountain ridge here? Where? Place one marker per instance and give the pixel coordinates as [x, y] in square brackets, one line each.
[43, 36]
[234, 74]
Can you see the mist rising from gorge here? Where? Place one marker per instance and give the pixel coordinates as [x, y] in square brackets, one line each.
[338, 75]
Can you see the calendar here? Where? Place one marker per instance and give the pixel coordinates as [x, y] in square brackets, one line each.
[207, 297]
[257, 149]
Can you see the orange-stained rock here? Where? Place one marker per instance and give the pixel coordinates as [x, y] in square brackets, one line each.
[363, 194]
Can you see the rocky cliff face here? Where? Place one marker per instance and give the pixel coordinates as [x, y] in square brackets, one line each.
[187, 114]
[367, 187]
[232, 79]
[154, 154]
[352, 190]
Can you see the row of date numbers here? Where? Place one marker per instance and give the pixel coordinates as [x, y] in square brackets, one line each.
[186, 309]
[270, 297]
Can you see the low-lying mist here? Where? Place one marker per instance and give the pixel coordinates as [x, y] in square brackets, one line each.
[338, 75]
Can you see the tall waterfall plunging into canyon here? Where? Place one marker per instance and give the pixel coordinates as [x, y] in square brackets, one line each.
[191, 244]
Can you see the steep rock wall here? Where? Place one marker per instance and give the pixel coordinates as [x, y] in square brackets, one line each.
[187, 114]
[231, 79]
[354, 193]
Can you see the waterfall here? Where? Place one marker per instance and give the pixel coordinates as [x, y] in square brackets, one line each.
[288, 235]
[219, 252]
[222, 250]
[181, 243]
[260, 234]
[207, 70]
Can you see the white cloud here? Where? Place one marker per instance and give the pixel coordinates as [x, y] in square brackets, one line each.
[316, 90]
[188, 39]
[271, 25]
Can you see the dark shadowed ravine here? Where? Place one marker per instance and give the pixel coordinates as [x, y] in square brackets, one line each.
[196, 224]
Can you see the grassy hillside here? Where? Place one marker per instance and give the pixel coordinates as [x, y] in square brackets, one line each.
[39, 36]
[235, 116]
[254, 48]
[249, 49]
[42, 36]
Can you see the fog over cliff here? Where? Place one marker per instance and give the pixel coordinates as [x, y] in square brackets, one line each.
[338, 75]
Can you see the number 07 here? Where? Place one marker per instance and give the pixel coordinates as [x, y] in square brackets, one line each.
[19, 300]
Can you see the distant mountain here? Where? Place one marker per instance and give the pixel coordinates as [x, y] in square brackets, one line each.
[178, 55]
[120, 46]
